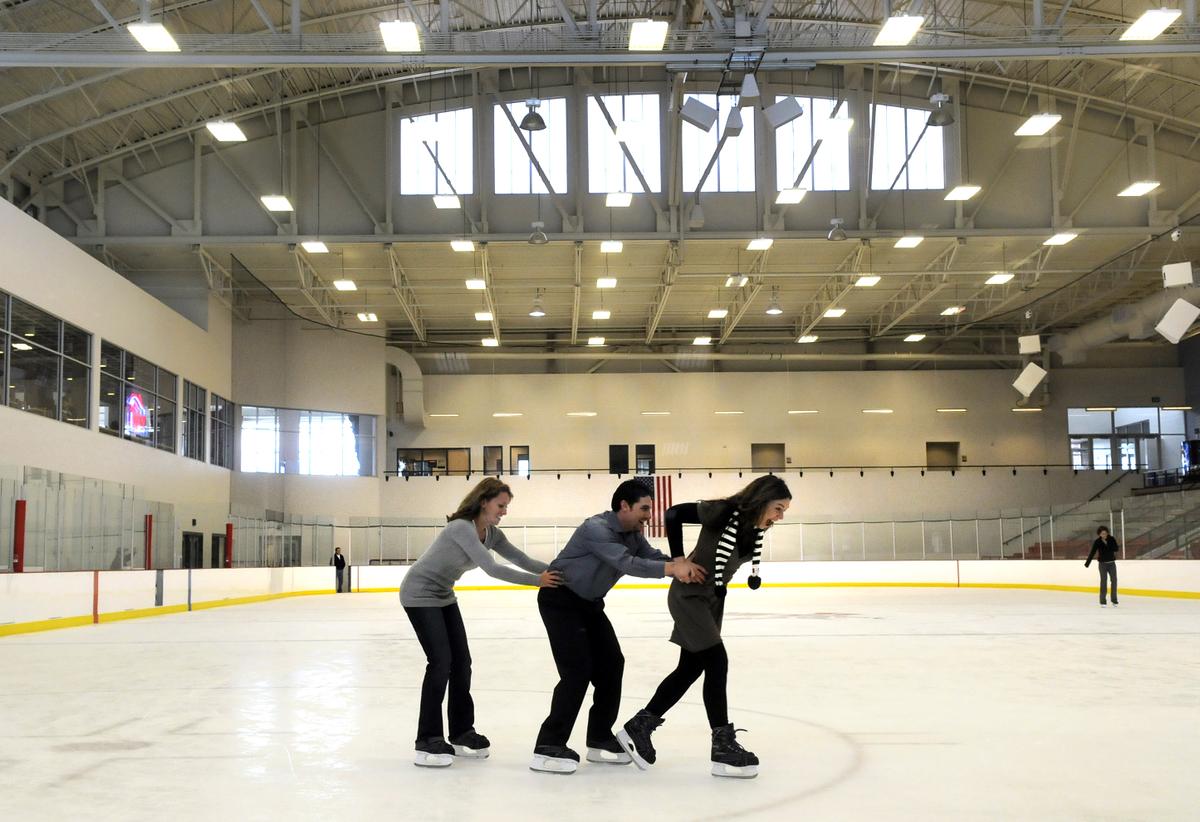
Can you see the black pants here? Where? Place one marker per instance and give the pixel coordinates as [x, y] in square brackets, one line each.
[714, 664]
[585, 651]
[1108, 570]
[444, 640]
[339, 573]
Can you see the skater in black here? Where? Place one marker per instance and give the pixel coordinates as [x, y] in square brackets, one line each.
[585, 647]
[1106, 547]
[731, 532]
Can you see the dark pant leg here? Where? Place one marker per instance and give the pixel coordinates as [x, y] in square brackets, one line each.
[608, 668]
[1103, 582]
[430, 627]
[338, 584]
[563, 614]
[1112, 574]
[460, 711]
[676, 683]
[716, 676]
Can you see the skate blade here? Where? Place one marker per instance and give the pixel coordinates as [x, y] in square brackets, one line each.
[627, 744]
[550, 764]
[428, 760]
[747, 772]
[608, 757]
[471, 753]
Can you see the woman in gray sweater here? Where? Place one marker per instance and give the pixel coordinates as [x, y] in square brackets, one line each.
[427, 594]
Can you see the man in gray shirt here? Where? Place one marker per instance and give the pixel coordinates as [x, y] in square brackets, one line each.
[602, 550]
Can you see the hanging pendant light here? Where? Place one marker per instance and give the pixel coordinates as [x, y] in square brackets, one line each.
[532, 121]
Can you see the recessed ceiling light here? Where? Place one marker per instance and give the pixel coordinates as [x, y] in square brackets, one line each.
[728, 413]
[476, 285]
[315, 247]
[225, 132]
[834, 313]
[759, 244]
[774, 308]
[601, 314]
[276, 202]
[462, 245]
[446, 201]
[21, 346]
[790, 196]
[952, 410]
[914, 338]
[736, 280]
[400, 35]
[606, 282]
[963, 192]
[611, 247]
[1037, 125]
[595, 341]
[648, 35]
[1138, 189]
[867, 281]
[618, 199]
[507, 414]
[805, 411]
[1061, 239]
[153, 36]
[537, 310]
[807, 338]
[1026, 410]
[909, 241]
[483, 316]
[877, 410]
[656, 413]
[443, 415]
[702, 341]
[898, 30]
[999, 278]
[1151, 24]
[1177, 408]
[367, 317]
[345, 285]
[1101, 408]
[718, 313]
[581, 413]
[490, 342]
[952, 310]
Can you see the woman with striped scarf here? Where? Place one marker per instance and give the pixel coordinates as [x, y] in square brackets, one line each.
[731, 532]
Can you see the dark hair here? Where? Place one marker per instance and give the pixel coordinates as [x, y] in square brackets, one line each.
[1103, 528]
[753, 500]
[629, 492]
[472, 504]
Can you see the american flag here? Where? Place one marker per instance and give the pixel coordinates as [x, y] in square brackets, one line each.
[660, 486]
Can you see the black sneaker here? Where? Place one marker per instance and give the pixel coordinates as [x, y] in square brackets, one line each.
[433, 753]
[728, 757]
[608, 751]
[635, 738]
[471, 745]
[554, 759]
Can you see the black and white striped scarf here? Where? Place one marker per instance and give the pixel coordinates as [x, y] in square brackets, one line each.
[727, 545]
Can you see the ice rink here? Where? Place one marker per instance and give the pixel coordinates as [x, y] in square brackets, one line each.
[871, 704]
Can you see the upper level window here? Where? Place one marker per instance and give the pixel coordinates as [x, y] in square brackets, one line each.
[193, 421]
[830, 168]
[636, 117]
[137, 398]
[44, 363]
[515, 173]
[898, 131]
[220, 451]
[291, 441]
[734, 169]
[446, 136]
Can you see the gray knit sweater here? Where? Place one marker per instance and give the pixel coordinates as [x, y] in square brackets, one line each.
[430, 580]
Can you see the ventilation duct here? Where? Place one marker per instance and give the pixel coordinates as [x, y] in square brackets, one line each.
[1134, 321]
[412, 386]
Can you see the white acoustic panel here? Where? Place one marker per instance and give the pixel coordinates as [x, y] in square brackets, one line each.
[783, 112]
[749, 95]
[1031, 344]
[733, 126]
[701, 116]
[1177, 274]
[1030, 377]
[1177, 320]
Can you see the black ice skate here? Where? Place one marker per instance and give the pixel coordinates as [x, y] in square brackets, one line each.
[433, 753]
[554, 759]
[635, 738]
[471, 745]
[608, 751]
[729, 758]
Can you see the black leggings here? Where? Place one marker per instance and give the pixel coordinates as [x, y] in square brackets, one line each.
[714, 664]
[444, 639]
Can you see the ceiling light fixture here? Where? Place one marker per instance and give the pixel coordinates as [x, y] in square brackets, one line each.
[595, 341]
[537, 310]
[483, 316]
[836, 233]
[773, 307]
[702, 341]
[1140, 188]
[1037, 125]
[462, 245]
[807, 338]
[538, 235]
[601, 314]
[877, 411]
[868, 281]
[834, 313]
[611, 247]
[276, 202]
[606, 282]
[581, 413]
[760, 244]
[476, 285]
[952, 410]
[790, 196]
[315, 247]
[1061, 239]
[736, 280]
[962, 192]
[490, 342]
[345, 285]
[898, 30]
[367, 317]
[532, 121]
[953, 310]
[152, 36]
[805, 411]
[941, 116]
[909, 241]
[400, 35]
[999, 278]
[1151, 24]
[225, 132]
[648, 35]
[718, 313]
[917, 337]
[656, 413]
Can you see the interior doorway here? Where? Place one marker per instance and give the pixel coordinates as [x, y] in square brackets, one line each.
[218, 551]
[193, 550]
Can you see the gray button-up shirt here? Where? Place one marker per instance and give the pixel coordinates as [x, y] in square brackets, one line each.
[599, 553]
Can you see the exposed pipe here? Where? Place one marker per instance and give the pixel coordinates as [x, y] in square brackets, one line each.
[1134, 321]
[412, 386]
[690, 357]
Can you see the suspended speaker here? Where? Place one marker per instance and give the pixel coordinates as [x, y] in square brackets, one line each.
[1177, 274]
[1029, 379]
[1031, 344]
[783, 112]
[1177, 320]
[701, 116]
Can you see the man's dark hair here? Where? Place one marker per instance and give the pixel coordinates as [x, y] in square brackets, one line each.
[629, 492]
[1103, 529]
